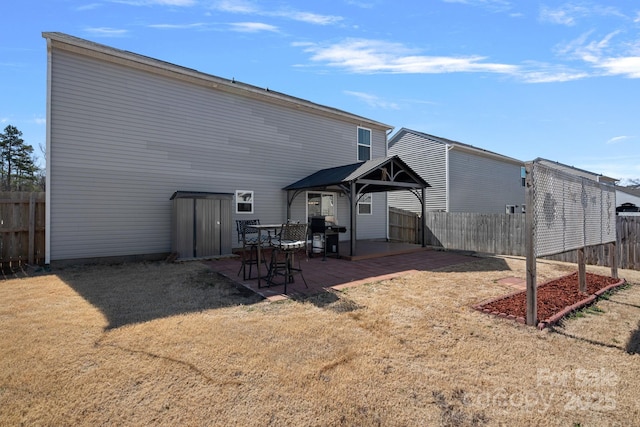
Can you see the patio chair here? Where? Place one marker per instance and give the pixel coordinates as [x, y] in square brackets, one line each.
[291, 239]
[249, 238]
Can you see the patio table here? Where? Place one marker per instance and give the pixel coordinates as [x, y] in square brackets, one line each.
[261, 228]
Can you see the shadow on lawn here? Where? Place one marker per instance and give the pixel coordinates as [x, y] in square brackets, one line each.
[633, 345]
[139, 292]
[477, 264]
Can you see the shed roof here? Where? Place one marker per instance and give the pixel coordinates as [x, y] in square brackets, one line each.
[199, 195]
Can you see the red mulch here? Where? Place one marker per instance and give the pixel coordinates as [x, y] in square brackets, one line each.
[553, 296]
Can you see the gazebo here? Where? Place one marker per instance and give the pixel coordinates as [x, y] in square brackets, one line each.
[372, 176]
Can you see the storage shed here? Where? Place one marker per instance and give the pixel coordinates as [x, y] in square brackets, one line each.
[201, 224]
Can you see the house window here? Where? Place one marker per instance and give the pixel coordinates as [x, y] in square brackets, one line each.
[364, 144]
[523, 176]
[364, 204]
[244, 202]
[510, 209]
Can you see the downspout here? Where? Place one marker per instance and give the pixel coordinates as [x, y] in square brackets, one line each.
[47, 230]
[446, 177]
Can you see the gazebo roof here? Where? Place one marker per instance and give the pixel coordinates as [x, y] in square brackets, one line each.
[372, 176]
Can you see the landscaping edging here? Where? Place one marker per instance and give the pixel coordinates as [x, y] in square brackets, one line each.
[555, 318]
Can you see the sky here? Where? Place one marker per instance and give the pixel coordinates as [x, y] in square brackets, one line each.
[554, 79]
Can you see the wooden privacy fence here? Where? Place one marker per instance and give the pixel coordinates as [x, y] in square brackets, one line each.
[404, 226]
[22, 226]
[627, 246]
[491, 233]
[504, 234]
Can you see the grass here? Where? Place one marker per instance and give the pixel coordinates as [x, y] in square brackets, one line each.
[174, 344]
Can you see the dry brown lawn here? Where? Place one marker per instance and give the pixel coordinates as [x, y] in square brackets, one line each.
[173, 344]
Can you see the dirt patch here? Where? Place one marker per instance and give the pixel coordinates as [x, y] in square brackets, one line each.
[555, 298]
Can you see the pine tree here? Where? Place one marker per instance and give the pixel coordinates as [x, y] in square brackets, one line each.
[17, 166]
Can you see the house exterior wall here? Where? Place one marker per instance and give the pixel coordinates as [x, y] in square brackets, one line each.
[483, 185]
[123, 139]
[428, 158]
[462, 178]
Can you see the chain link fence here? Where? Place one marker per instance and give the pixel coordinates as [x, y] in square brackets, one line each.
[569, 211]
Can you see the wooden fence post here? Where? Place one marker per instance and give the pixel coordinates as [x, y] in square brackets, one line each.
[582, 271]
[613, 259]
[530, 243]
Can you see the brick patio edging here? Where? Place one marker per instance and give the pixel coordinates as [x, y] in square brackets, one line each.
[550, 320]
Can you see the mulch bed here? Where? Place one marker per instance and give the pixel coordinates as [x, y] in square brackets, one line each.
[555, 299]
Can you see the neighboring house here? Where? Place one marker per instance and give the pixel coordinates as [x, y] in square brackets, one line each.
[627, 199]
[576, 171]
[463, 178]
[125, 132]
[623, 195]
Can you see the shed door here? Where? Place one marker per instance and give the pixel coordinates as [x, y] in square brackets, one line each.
[213, 222]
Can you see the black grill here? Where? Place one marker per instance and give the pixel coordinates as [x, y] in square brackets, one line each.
[329, 232]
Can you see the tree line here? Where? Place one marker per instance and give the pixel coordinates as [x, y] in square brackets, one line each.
[18, 169]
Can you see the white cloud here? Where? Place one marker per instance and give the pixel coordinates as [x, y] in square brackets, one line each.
[373, 100]
[617, 139]
[627, 66]
[569, 13]
[236, 6]
[565, 15]
[174, 2]
[178, 26]
[106, 32]
[308, 17]
[539, 72]
[361, 4]
[601, 54]
[90, 6]
[252, 27]
[490, 4]
[551, 76]
[374, 56]
[248, 7]
[182, 3]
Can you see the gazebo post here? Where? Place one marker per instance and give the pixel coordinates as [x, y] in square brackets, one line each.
[424, 217]
[354, 208]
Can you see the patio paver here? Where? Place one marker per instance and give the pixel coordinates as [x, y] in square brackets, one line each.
[337, 274]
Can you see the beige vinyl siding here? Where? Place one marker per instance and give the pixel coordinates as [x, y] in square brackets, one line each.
[481, 184]
[122, 140]
[427, 158]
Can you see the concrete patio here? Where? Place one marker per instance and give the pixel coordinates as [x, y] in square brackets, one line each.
[376, 260]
